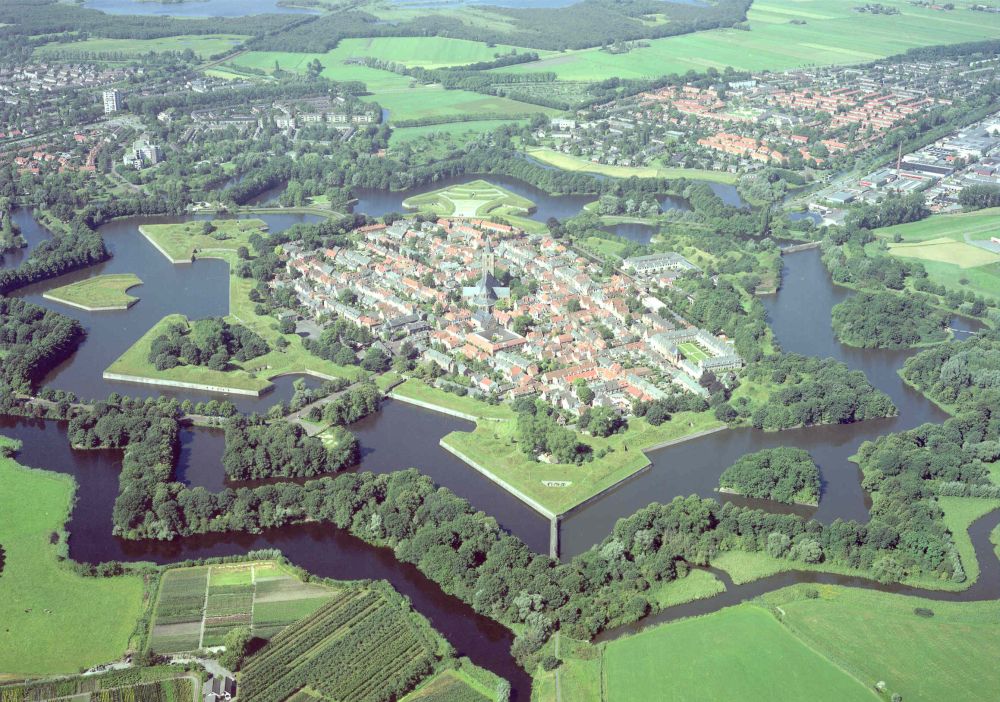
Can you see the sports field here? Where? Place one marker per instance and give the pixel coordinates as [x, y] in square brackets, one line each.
[102, 292]
[946, 652]
[955, 249]
[476, 198]
[203, 45]
[832, 33]
[740, 653]
[196, 607]
[51, 619]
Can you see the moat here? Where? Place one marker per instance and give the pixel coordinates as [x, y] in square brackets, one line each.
[401, 436]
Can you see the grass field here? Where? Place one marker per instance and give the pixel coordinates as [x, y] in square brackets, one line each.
[877, 636]
[568, 162]
[945, 245]
[833, 33]
[401, 95]
[197, 606]
[203, 45]
[103, 292]
[476, 198]
[452, 686]
[740, 653]
[403, 135]
[53, 620]
[179, 242]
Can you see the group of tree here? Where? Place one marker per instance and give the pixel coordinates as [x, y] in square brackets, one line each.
[352, 405]
[53, 257]
[540, 434]
[33, 341]
[256, 449]
[340, 342]
[960, 372]
[782, 474]
[895, 209]
[888, 320]
[805, 391]
[977, 197]
[210, 342]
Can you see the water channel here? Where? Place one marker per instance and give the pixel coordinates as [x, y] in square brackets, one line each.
[400, 436]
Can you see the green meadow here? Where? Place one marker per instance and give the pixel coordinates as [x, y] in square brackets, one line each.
[203, 45]
[53, 620]
[946, 652]
[739, 653]
[832, 33]
[451, 130]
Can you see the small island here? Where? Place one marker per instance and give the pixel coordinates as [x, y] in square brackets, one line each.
[782, 474]
[885, 320]
[102, 293]
[477, 198]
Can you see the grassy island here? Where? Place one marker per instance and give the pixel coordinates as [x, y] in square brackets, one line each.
[54, 620]
[98, 294]
[184, 241]
[476, 198]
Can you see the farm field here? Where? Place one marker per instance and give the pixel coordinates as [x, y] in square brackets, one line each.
[157, 684]
[955, 249]
[568, 162]
[683, 661]
[203, 46]
[879, 636]
[832, 33]
[198, 606]
[476, 198]
[363, 644]
[54, 621]
[103, 292]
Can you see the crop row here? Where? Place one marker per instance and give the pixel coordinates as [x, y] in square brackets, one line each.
[177, 690]
[359, 646]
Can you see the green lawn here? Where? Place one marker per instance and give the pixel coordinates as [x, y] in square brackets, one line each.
[53, 621]
[739, 653]
[568, 162]
[419, 390]
[696, 585]
[179, 242]
[99, 292]
[203, 45]
[877, 636]
[833, 33]
[477, 198]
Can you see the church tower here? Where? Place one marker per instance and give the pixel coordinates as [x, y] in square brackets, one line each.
[489, 260]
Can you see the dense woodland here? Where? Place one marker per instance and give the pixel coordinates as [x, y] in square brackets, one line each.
[887, 320]
[960, 372]
[256, 450]
[33, 341]
[782, 474]
[810, 391]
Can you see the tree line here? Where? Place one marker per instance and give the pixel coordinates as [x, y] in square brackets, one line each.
[33, 341]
